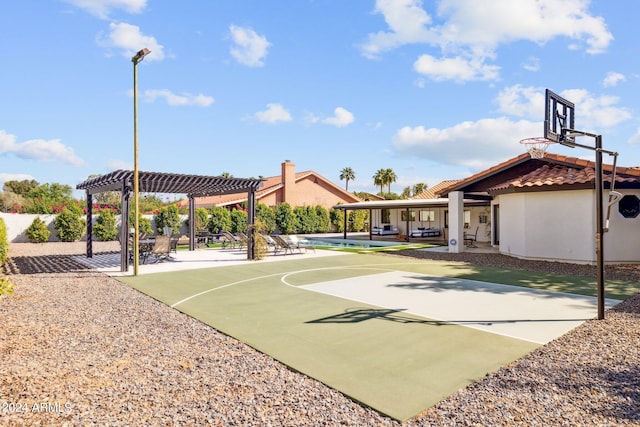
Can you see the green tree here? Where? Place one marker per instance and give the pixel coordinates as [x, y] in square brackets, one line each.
[347, 174]
[69, 224]
[357, 218]
[305, 219]
[239, 221]
[406, 193]
[268, 217]
[105, 227]
[38, 232]
[202, 219]
[323, 220]
[379, 179]
[168, 216]
[21, 188]
[285, 219]
[219, 219]
[337, 219]
[419, 188]
[389, 178]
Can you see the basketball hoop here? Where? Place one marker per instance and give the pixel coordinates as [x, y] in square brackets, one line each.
[537, 146]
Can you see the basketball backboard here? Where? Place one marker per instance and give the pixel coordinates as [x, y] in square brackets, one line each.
[559, 115]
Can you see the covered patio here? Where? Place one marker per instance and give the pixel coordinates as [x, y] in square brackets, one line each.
[171, 183]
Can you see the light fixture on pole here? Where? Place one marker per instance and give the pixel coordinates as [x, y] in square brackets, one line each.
[137, 58]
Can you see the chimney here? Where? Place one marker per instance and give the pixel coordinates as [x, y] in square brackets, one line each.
[288, 180]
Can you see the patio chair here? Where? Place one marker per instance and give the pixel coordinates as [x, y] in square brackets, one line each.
[271, 243]
[161, 249]
[228, 240]
[293, 239]
[283, 244]
[470, 239]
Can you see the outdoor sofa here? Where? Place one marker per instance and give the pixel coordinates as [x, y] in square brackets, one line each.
[385, 230]
[425, 232]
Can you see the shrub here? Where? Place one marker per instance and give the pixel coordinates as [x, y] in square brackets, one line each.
[69, 224]
[168, 216]
[268, 217]
[144, 224]
[239, 221]
[305, 218]
[6, 287]
[260, 245]
[323, 222]
[337, 219]
[285, 219]
[357, 219]
[38, 232]
[202, 219]
[219, 219]
[105, 227]
[4, 244]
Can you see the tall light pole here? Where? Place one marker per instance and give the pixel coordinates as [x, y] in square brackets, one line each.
[137, 58]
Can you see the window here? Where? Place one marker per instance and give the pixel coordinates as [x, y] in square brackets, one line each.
[629, 206]
[427, 215]
[482, 219]
[412, 216]
[386, 216]
[467, 219]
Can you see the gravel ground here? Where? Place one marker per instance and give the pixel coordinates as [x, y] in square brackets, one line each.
[69, 358]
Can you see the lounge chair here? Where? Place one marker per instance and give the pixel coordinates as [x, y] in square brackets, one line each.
[271, 243]
[425, 232]
[385, 230]
[470, 239]
[283, 244]
[229, 240]
[296, 243]
[161, 249]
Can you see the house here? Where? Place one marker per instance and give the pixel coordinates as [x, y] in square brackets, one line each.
[545, 209]
[306, 188]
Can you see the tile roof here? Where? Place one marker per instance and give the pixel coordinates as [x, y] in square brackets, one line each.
[552, 170]
[433, 192]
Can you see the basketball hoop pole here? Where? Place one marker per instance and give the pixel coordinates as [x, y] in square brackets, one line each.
[599, 207]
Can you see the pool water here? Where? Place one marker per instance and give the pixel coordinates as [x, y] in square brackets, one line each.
[341, 243]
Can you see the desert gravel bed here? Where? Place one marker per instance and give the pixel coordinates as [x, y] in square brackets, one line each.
[80, 348]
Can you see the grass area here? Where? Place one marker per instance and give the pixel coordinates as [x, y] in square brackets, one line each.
[397, 363]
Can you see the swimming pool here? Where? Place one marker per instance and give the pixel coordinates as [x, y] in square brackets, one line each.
[342, 243]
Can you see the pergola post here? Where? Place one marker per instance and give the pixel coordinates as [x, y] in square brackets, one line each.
[89, 225]
[251, 214]
[344, 231]
[124, 229]
[192, 222]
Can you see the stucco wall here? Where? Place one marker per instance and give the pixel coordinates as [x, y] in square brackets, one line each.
[557, 225]
[18, 223]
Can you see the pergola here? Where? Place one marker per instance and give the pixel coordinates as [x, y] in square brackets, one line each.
[156, 182]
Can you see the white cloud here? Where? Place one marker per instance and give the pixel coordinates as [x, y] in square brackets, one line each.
[341, 118]
[184, 99]
[532, 64]
[635, 139]
[102, 8]
[613, 78]
[407, 22]
[273, 114]
[38, 149]
[470, 31]
[475, 145]
[593, 111]
[130, 40]
[457, 69]
[520, 101]
[249, 48]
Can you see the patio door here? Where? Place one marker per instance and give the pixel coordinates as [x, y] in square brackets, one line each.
[495, 225]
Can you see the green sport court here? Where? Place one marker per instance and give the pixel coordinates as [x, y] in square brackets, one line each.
[396, 334]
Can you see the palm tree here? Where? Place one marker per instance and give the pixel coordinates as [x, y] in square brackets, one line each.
[389, 178]
[379, 179]
[347, 174]
[226, 175]
[419, 188]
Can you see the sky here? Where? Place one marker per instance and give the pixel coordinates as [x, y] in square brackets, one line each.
[434, 89]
